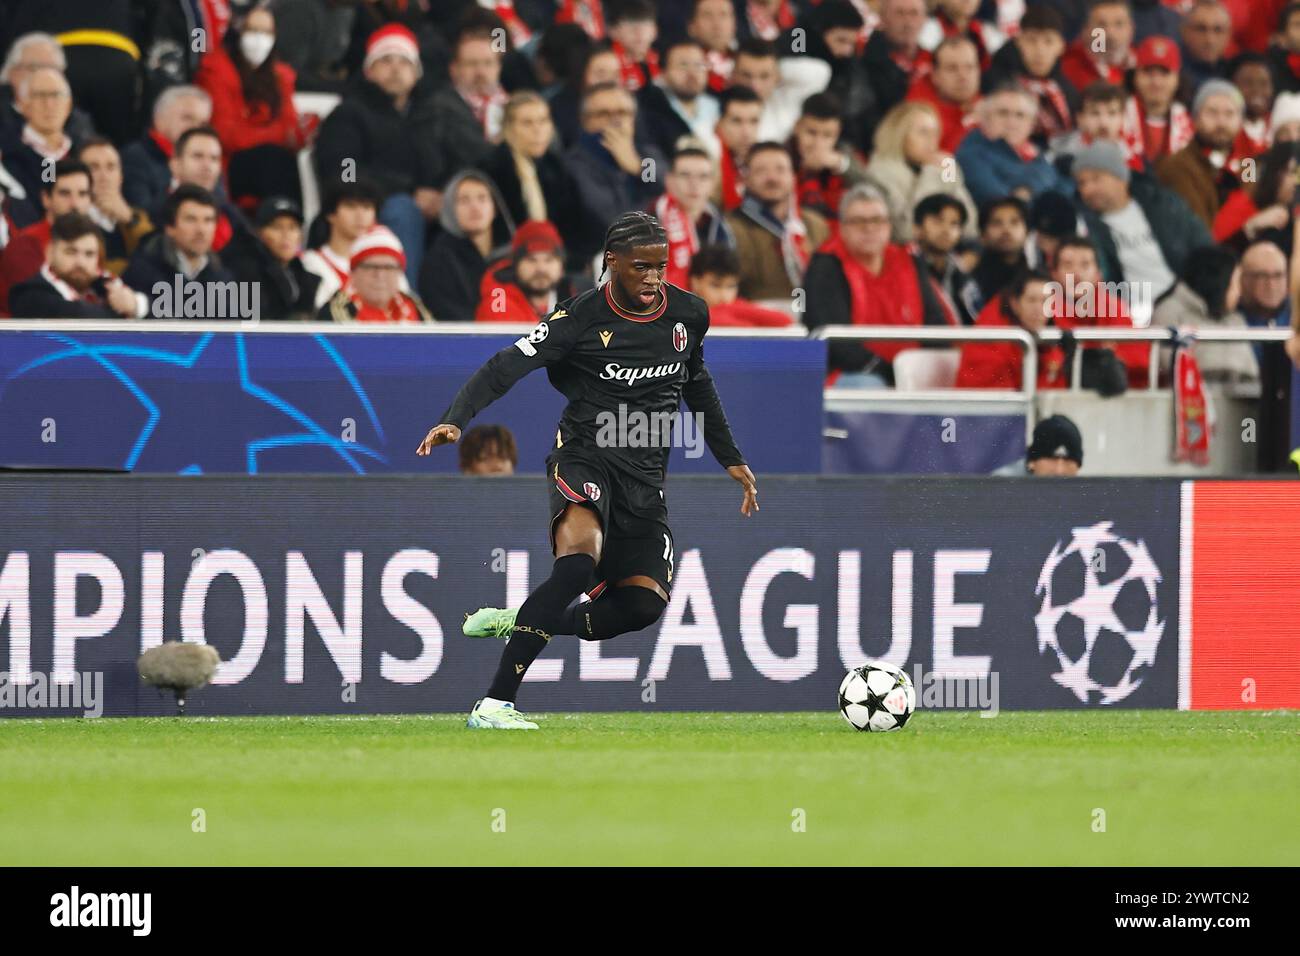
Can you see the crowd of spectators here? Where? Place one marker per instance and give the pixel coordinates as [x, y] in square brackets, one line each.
[815, 162]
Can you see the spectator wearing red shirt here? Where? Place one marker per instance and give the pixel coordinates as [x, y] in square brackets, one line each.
[952, 88]
[1079, 300]
[823, 169]
[1104, 48]
[528, 284]
[1021, 305]
[740, 111]
[715, 278]
[633, 30]
[25, 253]
[713, 25]
[859, 277]
[690, 220]
[253, 111]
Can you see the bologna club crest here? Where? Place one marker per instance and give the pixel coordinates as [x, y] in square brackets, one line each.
[593, 491]
[679, 337]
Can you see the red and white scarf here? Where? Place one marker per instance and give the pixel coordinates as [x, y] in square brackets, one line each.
[505, 9]
[1053, 107]
[1136, 123]
[401, 308]
[637, 75]
[1193, 417]
[721, 64]
[764, 24]
[587, 14]
[489, 109]
[683, 240]
[62, 288]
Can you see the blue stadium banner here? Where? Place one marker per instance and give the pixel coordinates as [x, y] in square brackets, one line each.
[254, 402]
[338, 595]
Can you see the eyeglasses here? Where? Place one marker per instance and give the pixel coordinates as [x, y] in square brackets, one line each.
[378, 267]
[1270, 276]
[871, 222]
[611, 114]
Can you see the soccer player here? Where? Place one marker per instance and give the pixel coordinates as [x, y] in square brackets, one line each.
[637, 342]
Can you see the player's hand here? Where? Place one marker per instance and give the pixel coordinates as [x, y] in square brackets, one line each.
[438, 435]
[746, 477]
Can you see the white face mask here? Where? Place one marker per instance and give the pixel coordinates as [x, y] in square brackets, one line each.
[256, 47]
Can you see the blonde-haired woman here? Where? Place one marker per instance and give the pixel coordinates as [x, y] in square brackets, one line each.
[907, 165]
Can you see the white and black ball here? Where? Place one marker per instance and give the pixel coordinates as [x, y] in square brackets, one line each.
[877, 697]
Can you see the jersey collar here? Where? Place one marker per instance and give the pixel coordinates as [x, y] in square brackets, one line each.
[633, 316]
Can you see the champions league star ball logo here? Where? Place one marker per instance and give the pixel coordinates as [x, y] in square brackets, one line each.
[1099, 619]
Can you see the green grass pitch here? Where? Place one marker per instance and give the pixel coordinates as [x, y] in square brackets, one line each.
[672, 788]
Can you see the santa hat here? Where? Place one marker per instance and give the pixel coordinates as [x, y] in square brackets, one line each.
[376, 241]
[392, 40]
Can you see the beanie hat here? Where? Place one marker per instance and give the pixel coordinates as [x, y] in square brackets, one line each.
[393, 39]
[536, 236]
[1103, 156]
[1217, 88]
[1056, 437]
[376, 241]
[1286, 109]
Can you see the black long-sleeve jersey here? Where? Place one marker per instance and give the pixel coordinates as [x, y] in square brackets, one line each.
[624, 375]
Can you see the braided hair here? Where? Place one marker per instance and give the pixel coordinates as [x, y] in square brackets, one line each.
[630, 230]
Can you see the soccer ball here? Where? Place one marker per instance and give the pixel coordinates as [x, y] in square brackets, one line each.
[877, 697]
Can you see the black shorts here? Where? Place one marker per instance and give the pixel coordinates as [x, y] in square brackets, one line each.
[633, 517]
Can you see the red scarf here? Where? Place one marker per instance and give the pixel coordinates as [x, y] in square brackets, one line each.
[163, 143]
[505, 9]
[974, 30]
[216, 14]
[821, 191]
[1293, 61]
[400, 309]
[916, 66]
[891, 298]
[763, 24]
[637, 75]
[1053, 107]
[488, 109]
[1138, 136]
[683, 240]
[586, 14]
[720, 68]
[732, 191]
[1192, 419]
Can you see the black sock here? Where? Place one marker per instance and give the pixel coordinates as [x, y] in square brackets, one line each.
[540, 616]
[616, 611]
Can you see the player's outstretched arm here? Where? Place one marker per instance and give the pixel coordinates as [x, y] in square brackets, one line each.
[498, 375]
[438, 435]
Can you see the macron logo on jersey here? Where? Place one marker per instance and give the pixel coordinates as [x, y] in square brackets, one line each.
[618, 373]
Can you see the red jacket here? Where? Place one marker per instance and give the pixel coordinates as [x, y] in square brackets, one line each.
[746, 314]
[1108, 313]
[1000, 364]
[239, 124]
[501, 300]
[955, 120]
[1081, 68]
[22, 258]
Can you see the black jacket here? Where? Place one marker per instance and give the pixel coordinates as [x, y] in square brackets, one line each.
[605, 191]
[1176, 228]
[25, 165]
[663, 125]
[889, 81]
[285, 292]
[36, 298]
[398, 151]
[146, 177]
[450, 277]
[558, 188]
[156, 261]
[460, 139]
